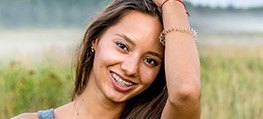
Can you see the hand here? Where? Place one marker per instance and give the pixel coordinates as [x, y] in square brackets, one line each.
[158, 2]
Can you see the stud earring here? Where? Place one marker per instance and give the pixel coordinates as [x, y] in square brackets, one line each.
[92, 49]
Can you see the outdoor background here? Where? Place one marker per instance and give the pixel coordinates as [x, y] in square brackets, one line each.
[38, 40]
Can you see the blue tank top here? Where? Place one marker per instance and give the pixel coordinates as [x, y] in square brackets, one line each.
[46, 114]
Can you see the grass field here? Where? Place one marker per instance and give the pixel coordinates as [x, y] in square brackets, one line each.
[31, 87]
[231, 81]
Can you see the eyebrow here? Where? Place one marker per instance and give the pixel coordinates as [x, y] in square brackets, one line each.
[132, 42]
[155, 54]
[125, 38]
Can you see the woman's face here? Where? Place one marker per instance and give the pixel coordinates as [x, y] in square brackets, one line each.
[128, 57]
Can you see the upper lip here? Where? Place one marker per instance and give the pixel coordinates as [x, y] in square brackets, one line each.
[123, 78]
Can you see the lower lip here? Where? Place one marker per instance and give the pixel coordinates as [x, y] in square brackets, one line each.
[120, 88]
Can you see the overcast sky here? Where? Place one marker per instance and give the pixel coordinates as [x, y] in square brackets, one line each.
[225, 3]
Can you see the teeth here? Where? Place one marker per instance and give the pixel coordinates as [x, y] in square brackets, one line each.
[120, 81]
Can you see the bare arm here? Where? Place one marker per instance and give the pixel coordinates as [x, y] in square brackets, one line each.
[182, 65]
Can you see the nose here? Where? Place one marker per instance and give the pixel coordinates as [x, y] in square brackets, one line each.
[130, 65]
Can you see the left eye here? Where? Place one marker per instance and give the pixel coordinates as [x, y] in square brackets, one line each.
[150, 61]
[122, 46]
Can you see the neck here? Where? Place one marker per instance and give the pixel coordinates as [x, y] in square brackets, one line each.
[93, 104]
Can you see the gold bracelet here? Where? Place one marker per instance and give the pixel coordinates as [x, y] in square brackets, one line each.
[191, 31]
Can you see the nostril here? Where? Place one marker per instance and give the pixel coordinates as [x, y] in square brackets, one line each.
[130, 69]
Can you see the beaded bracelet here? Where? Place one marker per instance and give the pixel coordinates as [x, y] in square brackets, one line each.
[191, 31]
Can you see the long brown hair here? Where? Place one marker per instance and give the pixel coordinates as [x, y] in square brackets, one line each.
[150, 103]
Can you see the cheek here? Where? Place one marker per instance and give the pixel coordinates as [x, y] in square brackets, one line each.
[105, 56]
[148, 76]
[100, 60]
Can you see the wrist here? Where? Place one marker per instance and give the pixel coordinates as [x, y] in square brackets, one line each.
[174, 14]
[167, 4]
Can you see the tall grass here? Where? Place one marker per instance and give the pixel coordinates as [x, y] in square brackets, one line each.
[32, 87]
[231, 83]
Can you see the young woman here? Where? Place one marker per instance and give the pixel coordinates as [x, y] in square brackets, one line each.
[124, 71]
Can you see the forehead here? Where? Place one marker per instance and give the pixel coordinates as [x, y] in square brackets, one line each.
[142, 28]
[145, 23]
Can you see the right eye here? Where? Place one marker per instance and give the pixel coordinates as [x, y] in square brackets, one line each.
[122, 46]
[150, 61]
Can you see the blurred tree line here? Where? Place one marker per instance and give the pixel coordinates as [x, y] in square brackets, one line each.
[228, 9]
[76, 13]
[48, 13]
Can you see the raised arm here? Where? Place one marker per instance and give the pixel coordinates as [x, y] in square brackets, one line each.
[182, 65]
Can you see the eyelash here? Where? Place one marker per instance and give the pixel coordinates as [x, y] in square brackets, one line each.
[150, 61]
[122, 46]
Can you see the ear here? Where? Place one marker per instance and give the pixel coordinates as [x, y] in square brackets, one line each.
[95, 43]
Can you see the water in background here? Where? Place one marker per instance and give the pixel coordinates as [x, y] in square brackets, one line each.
[30, 28]
[227, 19]
[32, 44]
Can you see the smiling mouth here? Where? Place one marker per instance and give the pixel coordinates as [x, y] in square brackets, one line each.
[120, 81]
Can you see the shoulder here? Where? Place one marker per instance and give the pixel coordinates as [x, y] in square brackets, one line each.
[26, 116]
